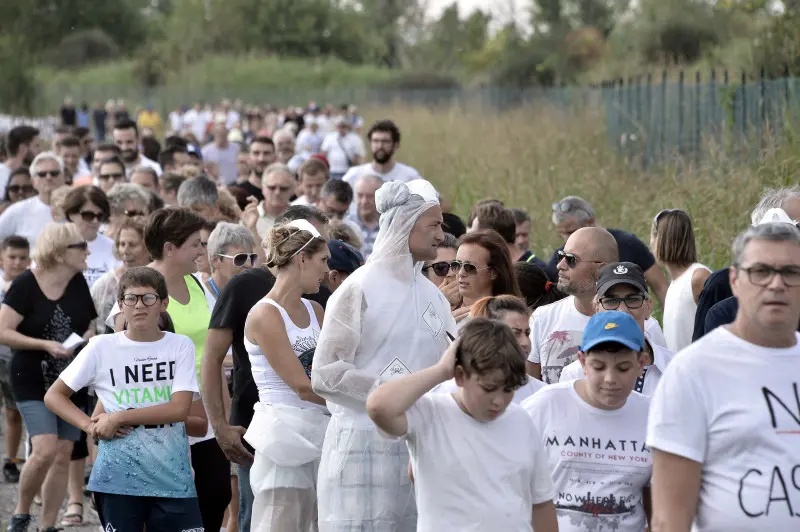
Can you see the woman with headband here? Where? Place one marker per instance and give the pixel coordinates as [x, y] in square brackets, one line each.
[290, 420]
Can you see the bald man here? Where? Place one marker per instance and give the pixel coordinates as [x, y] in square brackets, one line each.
[557, 329]
[366, 216]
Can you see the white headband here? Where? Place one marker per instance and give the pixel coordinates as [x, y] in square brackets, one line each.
[304, 225]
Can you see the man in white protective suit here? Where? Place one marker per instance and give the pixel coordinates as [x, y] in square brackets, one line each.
[387, 320]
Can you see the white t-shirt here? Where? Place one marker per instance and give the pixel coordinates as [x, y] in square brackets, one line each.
[197, 121]
[101, 259]
[733, 407]
[646, 384]
[152, 460]
[143, 161]
[556, 333]
[334, 146]
[475, 476]
[225, 159]
[5, 175]
[25, 218]
[400, 172]
[598, 458]
[309, 142]
[522, 393]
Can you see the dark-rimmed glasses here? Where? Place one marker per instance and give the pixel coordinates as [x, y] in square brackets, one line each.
[441, 268]
[148, 300]
[90, 216]
[573, 260]
[468, 267]
[762, 274]
[633, 302]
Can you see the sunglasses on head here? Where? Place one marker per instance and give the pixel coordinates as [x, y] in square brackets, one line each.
[106, 177]
[240, 259]
[573, 260]
[23, 189]
[468, 267]
[90, 216]
[79, 245]
[439, 268]
[48, 173]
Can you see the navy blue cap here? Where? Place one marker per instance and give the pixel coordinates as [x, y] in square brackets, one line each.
[344, 257]
[194, 150]
[612, 326]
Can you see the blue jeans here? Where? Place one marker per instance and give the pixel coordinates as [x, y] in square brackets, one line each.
[245, 499]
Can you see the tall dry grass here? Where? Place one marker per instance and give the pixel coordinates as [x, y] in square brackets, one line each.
[533, 156]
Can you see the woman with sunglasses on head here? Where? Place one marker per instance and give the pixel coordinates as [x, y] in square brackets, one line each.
[19, 188]
[280, 335]
[42, 309]
[672, 241]
[482, 268]
[27, 218]
[87, 207]
[130, 249]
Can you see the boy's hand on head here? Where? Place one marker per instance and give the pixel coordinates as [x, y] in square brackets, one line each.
[447, 364]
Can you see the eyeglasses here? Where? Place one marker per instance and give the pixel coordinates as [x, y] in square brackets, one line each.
[133, 214]
[573, 260]
[90, 216]
[24, 189]
[79, 245]
[115, 176]
[762, 275]
[632, 302]
[439, 268]
[240, 259]
[468, 267]
[48, 173]
[273, 188]
[148, 300]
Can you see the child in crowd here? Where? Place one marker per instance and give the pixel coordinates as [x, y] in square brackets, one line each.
[477, 458]
[594, 431]
[15, 256]
[145, 379]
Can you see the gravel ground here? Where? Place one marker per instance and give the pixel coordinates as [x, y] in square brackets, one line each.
[8, 499]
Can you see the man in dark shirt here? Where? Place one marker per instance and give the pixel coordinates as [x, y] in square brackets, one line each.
[226, 330]
[262, 154]
[69, 116]
[716, 289]
[573, 213]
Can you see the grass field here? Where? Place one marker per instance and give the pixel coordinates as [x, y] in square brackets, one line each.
[531, 157]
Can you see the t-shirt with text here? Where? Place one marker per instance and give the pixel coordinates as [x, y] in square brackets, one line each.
[734, 407]
[153, 460]
[598, 458]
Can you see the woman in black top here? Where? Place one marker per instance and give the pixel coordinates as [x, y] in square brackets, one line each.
[42, 309]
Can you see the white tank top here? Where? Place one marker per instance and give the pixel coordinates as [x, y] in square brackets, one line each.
[680, 309]
[272, 389]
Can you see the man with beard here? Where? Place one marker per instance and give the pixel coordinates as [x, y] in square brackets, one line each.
[262, 154]
[126, 137]
[22, 145]
[384, 141]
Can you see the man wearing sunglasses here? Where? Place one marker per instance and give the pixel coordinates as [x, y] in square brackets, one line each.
[278, 185]
[22, 144]
[621, 286]
[557, 329]
[572, 213]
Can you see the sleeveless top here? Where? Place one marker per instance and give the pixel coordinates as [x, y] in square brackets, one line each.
[680, 309]
[192, 318]
[272, 389]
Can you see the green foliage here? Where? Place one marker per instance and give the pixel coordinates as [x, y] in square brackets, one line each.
[82, 48]
[779, 49]
[17, 85]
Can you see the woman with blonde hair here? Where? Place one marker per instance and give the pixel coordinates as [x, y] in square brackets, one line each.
[281, 334]
[673, 244]
[44, 308]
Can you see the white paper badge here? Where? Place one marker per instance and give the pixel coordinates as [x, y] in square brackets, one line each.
[395, 370]
[432, 320]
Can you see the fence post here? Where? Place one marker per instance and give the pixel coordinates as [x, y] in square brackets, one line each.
[620, 110]
[762, 123]
[714, 110]
[744, 114]
[663, 118]
[648, 128]
[697, 112]
[680, 111]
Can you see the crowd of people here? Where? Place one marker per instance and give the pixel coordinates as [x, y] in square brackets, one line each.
[252, 319]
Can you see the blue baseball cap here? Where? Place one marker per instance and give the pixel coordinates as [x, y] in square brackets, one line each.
[612, 326]
[344, 257]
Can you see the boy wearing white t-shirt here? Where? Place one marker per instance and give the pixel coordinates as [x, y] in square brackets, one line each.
[622, 286]
[475, 455]
[725, 423]
[145, 380]
[594, 431]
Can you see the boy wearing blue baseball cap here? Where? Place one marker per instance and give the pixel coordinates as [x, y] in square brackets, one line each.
[594, 430]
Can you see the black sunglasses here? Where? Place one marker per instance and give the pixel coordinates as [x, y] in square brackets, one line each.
[90, 216]
[468, 267]
[79, 245]
[240, 259]
[24, 189]
[632, 302]
[48, 173]
[573, 260]
[439, 268]
[105, 177]
[133, 214]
